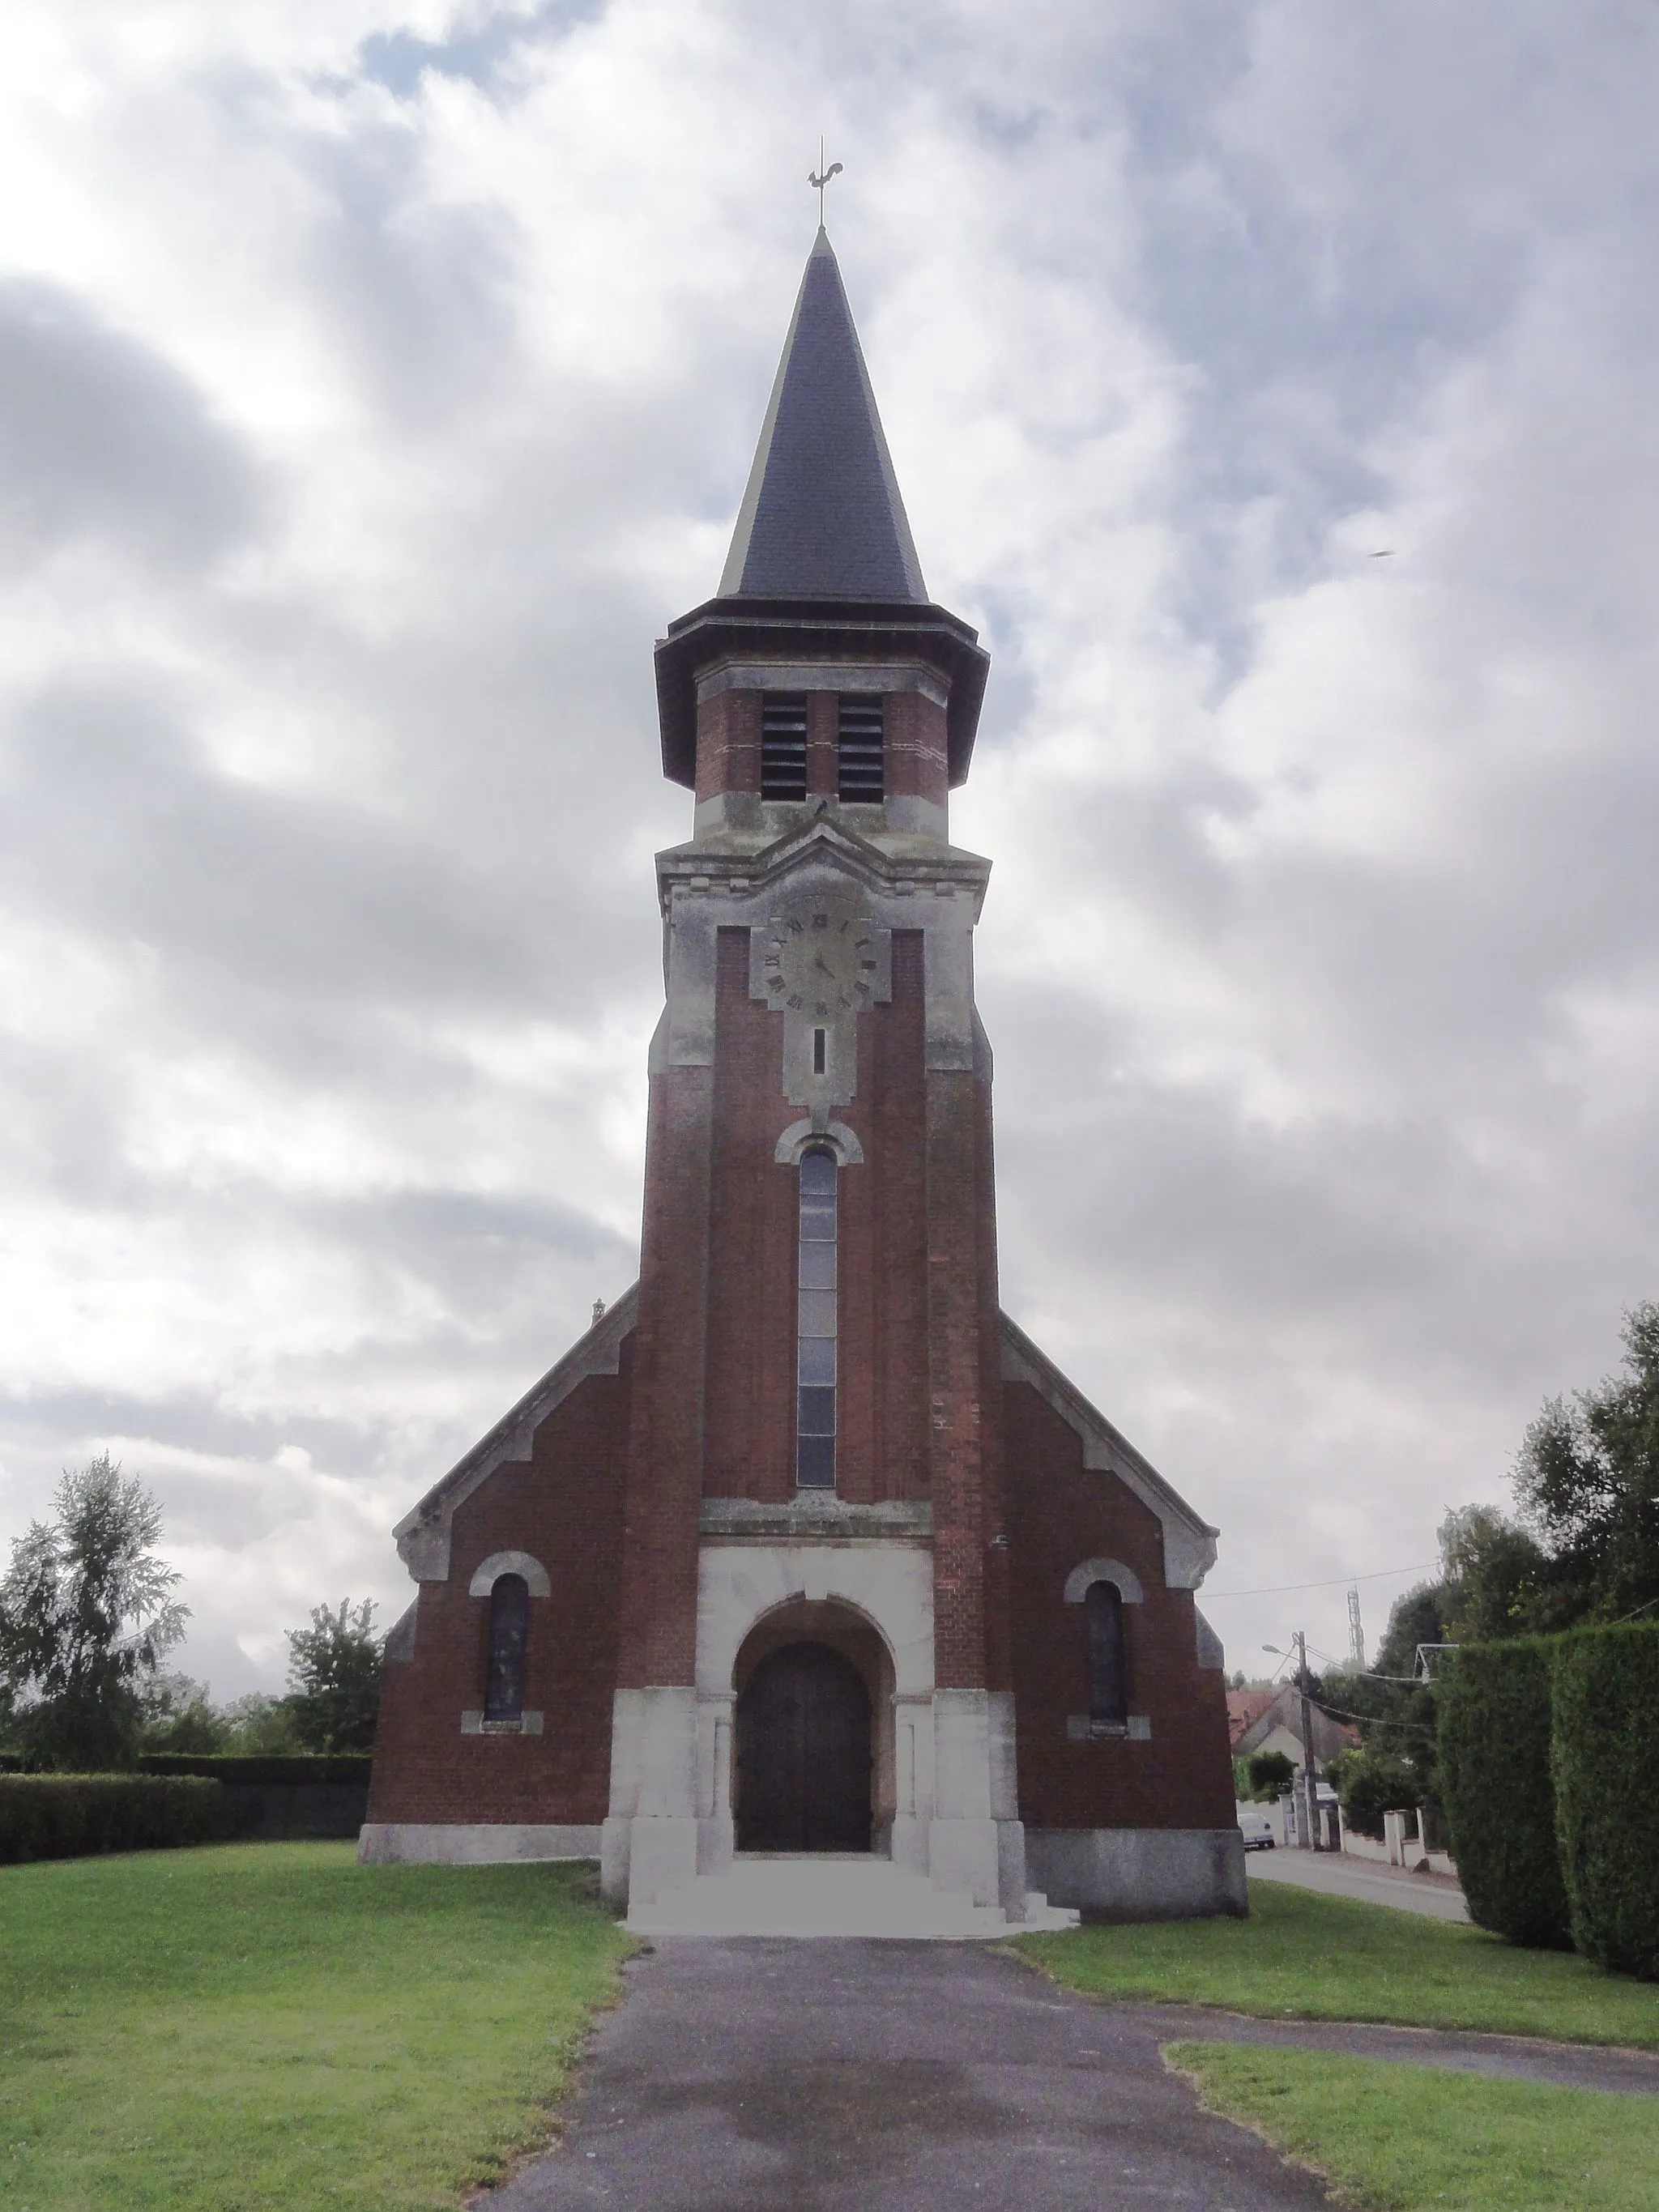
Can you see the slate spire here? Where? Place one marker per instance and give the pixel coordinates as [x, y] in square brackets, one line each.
[821, 518]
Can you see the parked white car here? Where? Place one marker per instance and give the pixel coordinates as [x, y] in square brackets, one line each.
[1256, 1828]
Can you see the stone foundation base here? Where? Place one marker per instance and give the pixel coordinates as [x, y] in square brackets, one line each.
[1139, 1873]
[394, 1843]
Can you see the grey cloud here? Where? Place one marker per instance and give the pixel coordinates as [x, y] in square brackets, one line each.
[398, 59]
[1302, 268]
[121, 822]
[100, 437]
[489, 1261]
[417, 297]
[193, 1423]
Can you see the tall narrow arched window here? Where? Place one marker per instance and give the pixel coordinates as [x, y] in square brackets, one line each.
[509, 1634]
[1108, 1671]
[815, 1344]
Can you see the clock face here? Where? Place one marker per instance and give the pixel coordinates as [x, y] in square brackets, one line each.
[820, 961]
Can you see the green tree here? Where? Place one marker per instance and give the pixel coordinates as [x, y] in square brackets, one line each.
[1587, 1482]
[1370, 1782]
[1418, 1617]
[179, 1716]
[1498, 1580]
[1392, 1709]
[87, 1612]
[1270, 1774]
[334, 1678]
[260, 1726]
[1583, 1548]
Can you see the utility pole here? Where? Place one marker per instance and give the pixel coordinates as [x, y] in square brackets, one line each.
[1309, 1824]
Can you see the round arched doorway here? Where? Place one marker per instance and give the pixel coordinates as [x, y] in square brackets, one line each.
[802, 1744]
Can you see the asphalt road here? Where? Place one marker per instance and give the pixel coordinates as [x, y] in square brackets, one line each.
[1371, 1883]
[760, 2076]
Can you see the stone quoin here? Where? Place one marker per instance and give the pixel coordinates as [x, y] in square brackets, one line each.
[805, 1546]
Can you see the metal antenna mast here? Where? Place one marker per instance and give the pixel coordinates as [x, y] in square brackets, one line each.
[1356, 1632]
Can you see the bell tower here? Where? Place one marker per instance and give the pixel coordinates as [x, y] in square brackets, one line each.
[815, 1414]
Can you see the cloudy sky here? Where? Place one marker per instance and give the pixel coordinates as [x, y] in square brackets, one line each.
[378, 377]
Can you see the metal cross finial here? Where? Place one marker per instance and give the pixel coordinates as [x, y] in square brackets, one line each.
[821, 178]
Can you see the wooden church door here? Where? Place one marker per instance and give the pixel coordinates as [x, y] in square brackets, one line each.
[804, 1753]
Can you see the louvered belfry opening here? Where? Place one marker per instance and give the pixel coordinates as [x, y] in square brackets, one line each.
[860, 776]
[783, 745]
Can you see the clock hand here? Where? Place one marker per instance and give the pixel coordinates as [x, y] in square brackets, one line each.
[822, 962]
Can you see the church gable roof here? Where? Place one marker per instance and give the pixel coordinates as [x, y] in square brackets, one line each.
[821, 517]
[422, 1535]
[1189, 1541]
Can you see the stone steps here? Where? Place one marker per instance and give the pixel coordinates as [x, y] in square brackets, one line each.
[832, 1893]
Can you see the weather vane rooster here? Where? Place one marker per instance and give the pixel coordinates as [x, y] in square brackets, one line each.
[821, 178]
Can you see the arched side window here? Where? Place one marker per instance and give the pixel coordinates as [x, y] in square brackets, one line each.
[815, 1343]
[1108, 1667]
[509, 1638]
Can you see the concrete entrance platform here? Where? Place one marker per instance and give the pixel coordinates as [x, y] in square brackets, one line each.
[832, 1893]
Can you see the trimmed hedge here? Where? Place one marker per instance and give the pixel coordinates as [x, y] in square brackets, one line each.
[264, 1773]
[268, 1800]
[1605, 1757]
[1495, 1778]
[66, 1816]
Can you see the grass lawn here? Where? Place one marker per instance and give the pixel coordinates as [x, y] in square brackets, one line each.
[265, 2024]
[1413, 2141]
[1325, 1958]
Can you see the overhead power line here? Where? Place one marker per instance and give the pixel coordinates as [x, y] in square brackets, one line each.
[1328, 1582]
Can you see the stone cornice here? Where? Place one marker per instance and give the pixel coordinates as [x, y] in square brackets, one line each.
[699, 867]
[813, 1517]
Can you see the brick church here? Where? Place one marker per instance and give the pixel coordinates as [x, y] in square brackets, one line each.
[805, 1547]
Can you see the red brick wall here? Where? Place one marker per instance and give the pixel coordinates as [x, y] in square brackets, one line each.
[883, 1235]
[917, 760]
[994, 1473]
[960, 1533]
[1059, 1515]
[564, 1507]
[664, 1451]
[728, 743]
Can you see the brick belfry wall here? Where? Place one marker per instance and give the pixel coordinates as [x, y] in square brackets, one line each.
[886, 1398]
[650, 1837]
[883, 1443]
[662, 1468]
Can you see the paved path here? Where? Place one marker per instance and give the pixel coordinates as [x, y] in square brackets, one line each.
[1511, 2058]
[759, 2074]
[1372, 1883]
[756, 2074]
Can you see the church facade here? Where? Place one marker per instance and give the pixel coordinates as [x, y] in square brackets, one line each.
[805, 1546]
